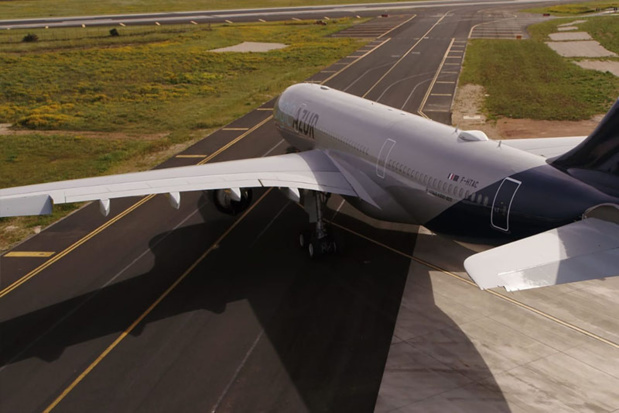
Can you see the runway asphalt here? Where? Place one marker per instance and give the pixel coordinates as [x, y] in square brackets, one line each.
[246, 15]
[156, 309]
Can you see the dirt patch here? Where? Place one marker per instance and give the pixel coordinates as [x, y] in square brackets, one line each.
[6, 129]
[467, 114]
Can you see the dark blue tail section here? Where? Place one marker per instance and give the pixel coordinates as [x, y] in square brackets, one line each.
[596, 160]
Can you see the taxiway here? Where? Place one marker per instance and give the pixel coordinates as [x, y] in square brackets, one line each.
[155, 309]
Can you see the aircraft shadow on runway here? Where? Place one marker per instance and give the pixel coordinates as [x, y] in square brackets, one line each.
[327, 324]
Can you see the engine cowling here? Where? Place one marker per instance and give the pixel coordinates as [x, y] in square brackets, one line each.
[225, 202]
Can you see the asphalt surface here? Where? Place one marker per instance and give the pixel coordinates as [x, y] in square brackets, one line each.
[156, 309]
[246, 15]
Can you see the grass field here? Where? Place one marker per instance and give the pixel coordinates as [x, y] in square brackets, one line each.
[526, 79]
[48, 8]
[575, 8]
[149, 89]
[604, 29]
[152, 81]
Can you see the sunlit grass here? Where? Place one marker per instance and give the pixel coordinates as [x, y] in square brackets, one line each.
[575, 8]
[153, 81]
[158, 81]
[49, 8]
[526, 79]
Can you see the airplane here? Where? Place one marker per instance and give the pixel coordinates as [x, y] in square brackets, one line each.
[552, 202]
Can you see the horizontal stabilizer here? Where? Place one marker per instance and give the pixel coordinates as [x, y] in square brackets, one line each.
[583, 250]
[546, 147]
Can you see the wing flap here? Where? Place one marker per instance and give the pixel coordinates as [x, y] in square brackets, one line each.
[306, 170]
[583, 250]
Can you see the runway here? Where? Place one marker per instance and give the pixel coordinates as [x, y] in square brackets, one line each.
[246, 15]
[156, 309]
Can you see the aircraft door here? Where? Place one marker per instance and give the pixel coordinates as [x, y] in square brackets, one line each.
[499, 215]
[383, 156]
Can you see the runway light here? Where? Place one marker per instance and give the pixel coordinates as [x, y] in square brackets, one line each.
[192, 22]
[83, 26]
[122, 24]
[157, 23]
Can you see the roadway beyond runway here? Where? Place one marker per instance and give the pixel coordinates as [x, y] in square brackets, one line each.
[154, 309]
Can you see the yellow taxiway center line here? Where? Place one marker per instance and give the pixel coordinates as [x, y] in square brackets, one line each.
[83, 240]
[404, 22]
[232, 142]
[28, 254]
[494, 293]
[62, 254]
[438, 71]
[129, 329]
[353, 62]
[404, 55]
[190, 156]
[73, 246]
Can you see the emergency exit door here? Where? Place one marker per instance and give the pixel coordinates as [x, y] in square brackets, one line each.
[383, 156]
[501, 206]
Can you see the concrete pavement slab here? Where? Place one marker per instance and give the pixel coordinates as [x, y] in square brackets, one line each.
[570, 36]
[608, 66]
[560, 383]
[587, 48]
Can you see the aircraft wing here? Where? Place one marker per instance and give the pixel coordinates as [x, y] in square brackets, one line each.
[546, 147]
[306, 170]
[583, 250]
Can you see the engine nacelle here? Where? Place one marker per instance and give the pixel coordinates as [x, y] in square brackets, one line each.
[225, 202]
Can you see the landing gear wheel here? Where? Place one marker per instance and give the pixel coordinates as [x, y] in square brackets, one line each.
[333, 247]
[324, 246]
[304, 238]
[312, 249]
[318, 242]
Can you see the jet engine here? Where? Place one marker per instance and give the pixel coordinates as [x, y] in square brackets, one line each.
[232, 201]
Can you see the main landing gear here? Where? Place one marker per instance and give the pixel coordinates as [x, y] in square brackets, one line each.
[318, 242]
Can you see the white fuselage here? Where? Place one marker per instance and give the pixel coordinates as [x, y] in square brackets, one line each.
[409, 169]
[418, 167]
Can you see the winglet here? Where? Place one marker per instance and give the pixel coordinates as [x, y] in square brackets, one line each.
[27, 205]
